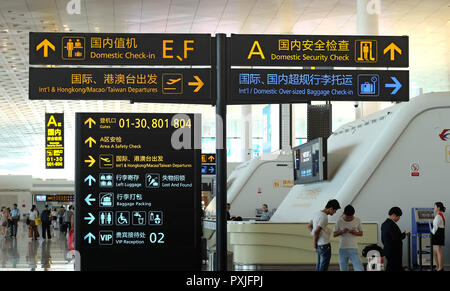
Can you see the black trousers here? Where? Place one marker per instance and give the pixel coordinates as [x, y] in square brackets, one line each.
[394, 263]
[46, 229]
[14, 227]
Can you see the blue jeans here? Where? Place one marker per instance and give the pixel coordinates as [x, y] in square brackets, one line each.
[323, 257]
[352, 254]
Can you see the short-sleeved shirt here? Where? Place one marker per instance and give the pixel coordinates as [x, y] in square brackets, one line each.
[348, 240]
[321, 219]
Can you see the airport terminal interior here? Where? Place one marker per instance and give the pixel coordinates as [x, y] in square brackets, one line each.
[214, 135]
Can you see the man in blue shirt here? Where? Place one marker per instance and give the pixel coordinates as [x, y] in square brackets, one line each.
[15, 216]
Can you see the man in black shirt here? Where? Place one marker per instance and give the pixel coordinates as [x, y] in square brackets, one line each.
[392, 237]
[46, 219]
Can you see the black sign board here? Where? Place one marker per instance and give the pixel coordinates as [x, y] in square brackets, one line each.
[209, 169]
[208, 158]
[138, 84]
[119, 49]
[54, 140]
[319, 50]
[137, 196]
[291, 86]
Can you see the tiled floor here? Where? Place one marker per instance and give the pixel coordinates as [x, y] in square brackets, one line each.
[24, 254]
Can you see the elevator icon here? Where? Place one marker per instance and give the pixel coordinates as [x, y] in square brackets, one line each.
[366, 51]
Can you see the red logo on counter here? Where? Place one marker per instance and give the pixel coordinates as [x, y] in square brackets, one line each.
[445, 134]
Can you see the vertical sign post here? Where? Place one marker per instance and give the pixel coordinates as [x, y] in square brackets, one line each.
[137, 191]
[221, 153]
[54, 140]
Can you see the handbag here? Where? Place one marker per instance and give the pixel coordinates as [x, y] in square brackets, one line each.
[37, 221]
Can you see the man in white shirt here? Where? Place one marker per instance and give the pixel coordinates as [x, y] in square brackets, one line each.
[321, 233]
[348, 227]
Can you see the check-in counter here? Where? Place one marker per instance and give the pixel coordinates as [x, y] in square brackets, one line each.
[266, 243]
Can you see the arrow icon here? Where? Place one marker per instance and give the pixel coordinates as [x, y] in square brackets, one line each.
[90, 179]
[90, 121]
[88, 198]
[91, 161]
[91, 218]
[89, 237]
[45, 44]
[211, 169]
[199, 83]
[397, 85]
[392, 48]
[90, 140]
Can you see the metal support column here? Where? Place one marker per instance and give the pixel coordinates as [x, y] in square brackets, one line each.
[221, 153]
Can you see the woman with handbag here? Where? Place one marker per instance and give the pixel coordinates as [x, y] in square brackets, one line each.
[4, 219]
[33, 232]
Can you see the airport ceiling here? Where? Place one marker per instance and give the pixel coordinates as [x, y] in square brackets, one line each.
[22, 121]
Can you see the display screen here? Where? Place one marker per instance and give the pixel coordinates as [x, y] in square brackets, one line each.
[425, 214]
[309, 165]
[41, 198]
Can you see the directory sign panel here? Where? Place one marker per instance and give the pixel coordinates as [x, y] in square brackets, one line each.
[119, 49]
[290, 86]
[208, 164]
[319, 50]
[137, 84]
[137, 194]
[54, 140]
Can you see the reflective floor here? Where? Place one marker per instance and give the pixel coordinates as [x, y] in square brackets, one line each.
[24, 254]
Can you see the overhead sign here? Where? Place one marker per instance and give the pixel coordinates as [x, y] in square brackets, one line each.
[137, 197]
[208, 158]
[319, 50]
[54, 198]
[119, 49]
[290, 86]
[137, 84]
[54, 140]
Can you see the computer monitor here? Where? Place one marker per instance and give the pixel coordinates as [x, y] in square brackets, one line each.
[310, 162]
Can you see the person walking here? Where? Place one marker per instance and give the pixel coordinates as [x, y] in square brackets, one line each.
[392, 239]
[54, 218]
[318, 227]
[4, 219]
[61, 214]
[46, 219]
[33, 232]
[438, 235]
[68, 219]
[348, 227]
[15, 217]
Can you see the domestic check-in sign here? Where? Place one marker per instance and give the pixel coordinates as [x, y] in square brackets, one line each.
[291, 86]
[319, 50]
[137, 84]
[119, 49]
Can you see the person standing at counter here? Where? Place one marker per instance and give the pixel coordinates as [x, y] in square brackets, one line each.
[348, 227]
[318, 227]
[392, 239]
[265, 215]
[438, 235]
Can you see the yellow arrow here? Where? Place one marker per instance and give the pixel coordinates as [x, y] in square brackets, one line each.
[91, 161]
[90, 140]
[90, 121]
[46, 44]
[393, 48]
[199, 83]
